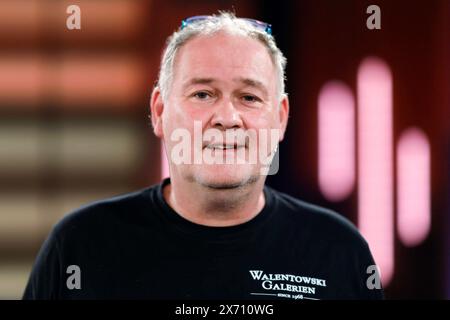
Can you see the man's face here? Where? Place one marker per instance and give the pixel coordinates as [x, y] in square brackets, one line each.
[223, 82]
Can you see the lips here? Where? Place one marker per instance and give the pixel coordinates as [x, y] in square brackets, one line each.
[219, 146]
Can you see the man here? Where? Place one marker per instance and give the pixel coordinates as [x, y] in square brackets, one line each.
[213, 230]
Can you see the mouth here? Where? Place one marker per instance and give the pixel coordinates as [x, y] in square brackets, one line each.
[226, 147]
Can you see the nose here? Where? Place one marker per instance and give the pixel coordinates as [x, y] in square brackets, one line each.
[226, 116]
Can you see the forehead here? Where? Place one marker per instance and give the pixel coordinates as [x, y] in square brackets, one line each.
[224, 56]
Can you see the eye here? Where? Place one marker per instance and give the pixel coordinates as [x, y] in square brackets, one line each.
[250, 98]
[202, 95]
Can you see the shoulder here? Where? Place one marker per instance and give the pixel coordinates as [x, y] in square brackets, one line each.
[102, 214]
[320, 222]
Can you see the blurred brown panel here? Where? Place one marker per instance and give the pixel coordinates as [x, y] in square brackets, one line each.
[99, 81]
[29, 23]
[105, 151]
[20, 222]
[13, 277]
[81, 81]
[20, 151]
[19, 22]
[23, 79]
[102, 22]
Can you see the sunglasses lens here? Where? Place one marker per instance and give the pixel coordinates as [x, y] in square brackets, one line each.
[256, 23]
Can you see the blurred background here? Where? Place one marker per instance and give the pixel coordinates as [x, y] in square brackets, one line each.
[368, 134]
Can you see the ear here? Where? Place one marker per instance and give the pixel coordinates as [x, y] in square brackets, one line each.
[283, 113]
[156, 109]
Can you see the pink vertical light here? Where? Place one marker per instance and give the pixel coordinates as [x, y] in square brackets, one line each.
[336, 140]
[164, 163]
[375, 162]
[413, 187]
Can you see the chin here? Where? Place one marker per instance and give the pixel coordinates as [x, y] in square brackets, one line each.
[225, 176]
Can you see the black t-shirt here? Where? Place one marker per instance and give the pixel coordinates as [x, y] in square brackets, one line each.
[135, 246]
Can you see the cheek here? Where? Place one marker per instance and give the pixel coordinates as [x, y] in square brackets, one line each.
[263, 123]
[262, 120]
[182, 112]
[180, 116]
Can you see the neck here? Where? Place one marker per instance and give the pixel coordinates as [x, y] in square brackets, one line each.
[215, 207]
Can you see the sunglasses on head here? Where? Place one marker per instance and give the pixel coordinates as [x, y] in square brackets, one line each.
[266, 27]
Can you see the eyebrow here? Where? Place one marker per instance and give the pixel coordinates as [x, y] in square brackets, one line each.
[247, 81]
[194, 81]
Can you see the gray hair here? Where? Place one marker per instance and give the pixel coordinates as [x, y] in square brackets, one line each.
[228, 22]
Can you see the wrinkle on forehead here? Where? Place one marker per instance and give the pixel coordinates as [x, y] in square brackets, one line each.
[220, 54]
